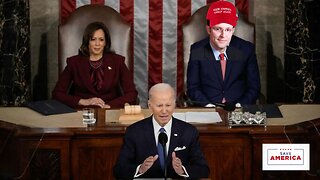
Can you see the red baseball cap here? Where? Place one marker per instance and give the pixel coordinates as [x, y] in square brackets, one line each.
[222, 12]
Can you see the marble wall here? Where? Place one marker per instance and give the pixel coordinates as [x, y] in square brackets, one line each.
[14, 52]
[302, 51]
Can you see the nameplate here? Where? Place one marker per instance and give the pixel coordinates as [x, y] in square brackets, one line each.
[277, 157]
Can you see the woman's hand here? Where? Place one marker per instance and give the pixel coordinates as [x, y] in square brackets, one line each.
[106, 106]
[93, 102]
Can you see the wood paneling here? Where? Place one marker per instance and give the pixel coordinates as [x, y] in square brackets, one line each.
[90, 153]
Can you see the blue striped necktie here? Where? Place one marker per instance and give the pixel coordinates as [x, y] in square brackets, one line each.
[160, 150]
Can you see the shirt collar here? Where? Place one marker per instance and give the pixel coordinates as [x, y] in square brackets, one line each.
[157, 127]
[217, 53]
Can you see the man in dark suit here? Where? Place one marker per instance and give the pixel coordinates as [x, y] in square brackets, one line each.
[139, 155]
[223, 67]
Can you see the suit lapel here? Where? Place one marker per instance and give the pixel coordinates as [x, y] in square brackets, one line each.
[109, 71]
[232, 58]
[150, 135]
[216, 64]
[85, 73]
[150, 139]
[174, 139]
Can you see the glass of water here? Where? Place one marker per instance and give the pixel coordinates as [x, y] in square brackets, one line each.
[88, 116]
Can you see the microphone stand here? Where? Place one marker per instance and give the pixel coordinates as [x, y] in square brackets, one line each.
[162, 139]
[226, 106]
[165, 160]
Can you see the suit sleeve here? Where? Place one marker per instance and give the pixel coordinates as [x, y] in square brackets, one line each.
[253, 80]
[126, 165]
[129, 92]
[194, 89]
[61, 90]
[197, 166]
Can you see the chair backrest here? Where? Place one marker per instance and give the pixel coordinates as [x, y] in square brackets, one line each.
[71, 32]
[195, 29]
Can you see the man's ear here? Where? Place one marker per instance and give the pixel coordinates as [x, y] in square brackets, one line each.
[208, 29]
[149, 104]
[234, 29]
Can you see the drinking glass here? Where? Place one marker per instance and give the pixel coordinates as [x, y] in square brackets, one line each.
[88, 116]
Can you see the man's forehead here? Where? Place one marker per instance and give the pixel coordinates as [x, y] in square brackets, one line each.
[223, 25]
[162, 101]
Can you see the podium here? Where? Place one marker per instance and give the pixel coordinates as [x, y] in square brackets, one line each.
[61, 147]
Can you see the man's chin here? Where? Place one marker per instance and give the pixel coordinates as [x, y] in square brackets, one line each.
[164, 119]
[222, 46]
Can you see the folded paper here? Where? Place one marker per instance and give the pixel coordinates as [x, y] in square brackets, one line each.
[179, 148]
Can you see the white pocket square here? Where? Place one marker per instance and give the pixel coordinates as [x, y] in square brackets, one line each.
[179, 148]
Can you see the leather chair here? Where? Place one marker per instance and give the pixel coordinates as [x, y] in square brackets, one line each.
[71, 32]
[195, 30]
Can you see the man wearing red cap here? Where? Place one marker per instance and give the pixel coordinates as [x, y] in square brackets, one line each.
[222, 67]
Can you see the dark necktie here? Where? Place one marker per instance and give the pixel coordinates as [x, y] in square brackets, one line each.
[160, 150]
[223, 64]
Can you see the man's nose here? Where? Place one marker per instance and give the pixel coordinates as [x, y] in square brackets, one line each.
[222, 32]
[164, 109]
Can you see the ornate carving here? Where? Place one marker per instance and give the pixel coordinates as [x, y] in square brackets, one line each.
[45, 164]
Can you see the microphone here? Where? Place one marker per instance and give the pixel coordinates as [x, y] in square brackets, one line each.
[163, 139]
[226, 106]
[185, 101]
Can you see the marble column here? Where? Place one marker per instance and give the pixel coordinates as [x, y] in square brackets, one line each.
[14, 52]
[301, 52]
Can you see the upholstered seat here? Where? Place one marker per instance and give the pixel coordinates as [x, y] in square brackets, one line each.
[71, 32]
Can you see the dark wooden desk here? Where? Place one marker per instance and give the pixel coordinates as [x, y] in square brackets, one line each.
[90, 153]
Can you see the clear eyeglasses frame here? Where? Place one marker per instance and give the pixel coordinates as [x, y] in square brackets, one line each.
[220, 30]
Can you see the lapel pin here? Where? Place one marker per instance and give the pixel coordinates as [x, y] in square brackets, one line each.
[109, 68]
[175, 135]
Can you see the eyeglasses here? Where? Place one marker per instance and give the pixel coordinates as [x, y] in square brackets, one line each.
[220, 30]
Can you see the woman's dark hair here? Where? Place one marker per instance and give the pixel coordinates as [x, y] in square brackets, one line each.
[88, 34]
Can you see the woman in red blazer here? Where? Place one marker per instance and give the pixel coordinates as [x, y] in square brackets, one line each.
[97, 76]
